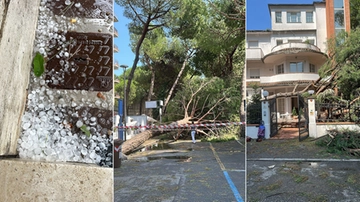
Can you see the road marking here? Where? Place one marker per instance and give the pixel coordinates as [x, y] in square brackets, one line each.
[230, 182]
[240, 143]
[236, 170]
[303, 159]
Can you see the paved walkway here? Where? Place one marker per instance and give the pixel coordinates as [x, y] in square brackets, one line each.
[185, 172]
[289, 170]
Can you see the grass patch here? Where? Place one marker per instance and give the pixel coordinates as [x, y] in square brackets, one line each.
[271, 187]
[324, 175]
[300, 178]
[353, 178]
[220, 138]
[254, 173]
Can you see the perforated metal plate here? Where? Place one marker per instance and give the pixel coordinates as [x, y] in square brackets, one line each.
[87, 64]
[103, 123]
[83, 8]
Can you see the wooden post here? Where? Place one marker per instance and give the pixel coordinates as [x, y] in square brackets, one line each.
[18, 20]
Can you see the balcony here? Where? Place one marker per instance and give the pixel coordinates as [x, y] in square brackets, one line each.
[116, 34]
[296, 49]
[254, 54]
[290, 77]
[116, 65]
[116, 49]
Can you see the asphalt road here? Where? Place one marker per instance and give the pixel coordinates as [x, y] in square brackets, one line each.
[289, 170]
[185, 172]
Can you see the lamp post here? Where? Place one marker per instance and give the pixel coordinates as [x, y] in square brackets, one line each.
[124, 118]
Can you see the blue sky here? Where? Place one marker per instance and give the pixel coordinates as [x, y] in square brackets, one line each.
[125, 56]
[257, 18]
[257, 12]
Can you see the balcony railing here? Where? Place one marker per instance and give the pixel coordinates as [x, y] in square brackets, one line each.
[295, 45]
[116, 65]
[289, 77]
[254, 54]
[116, 33]
[116, 49]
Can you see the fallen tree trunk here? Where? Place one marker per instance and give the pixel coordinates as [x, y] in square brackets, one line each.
[129, 145]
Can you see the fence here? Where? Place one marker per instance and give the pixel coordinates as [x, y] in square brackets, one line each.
[337, 112]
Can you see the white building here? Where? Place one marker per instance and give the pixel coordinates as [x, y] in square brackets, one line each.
[287, 57]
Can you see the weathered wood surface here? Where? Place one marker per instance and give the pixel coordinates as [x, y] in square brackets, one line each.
[18, 21]
[137, 140]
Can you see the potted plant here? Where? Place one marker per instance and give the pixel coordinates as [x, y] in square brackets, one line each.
[294, 113]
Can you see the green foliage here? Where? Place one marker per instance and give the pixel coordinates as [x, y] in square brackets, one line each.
[38, 64]
[85, 130]
[140, 85]
[212, 31]
[294, 112]
[253, 109]
[354, 14]
[343, 141]
[345, 62]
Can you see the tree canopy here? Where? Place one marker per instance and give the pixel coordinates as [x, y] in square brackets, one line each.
[183, 45]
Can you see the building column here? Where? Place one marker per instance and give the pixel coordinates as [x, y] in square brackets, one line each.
[312, 118]
[265, 113]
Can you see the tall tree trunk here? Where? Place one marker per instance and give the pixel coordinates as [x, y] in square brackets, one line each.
[176, 81]
[136, 60]
[152, 82]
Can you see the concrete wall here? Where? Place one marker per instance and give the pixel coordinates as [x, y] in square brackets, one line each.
[284, 25]
[28, 181]
[252, 130]
[323, 128]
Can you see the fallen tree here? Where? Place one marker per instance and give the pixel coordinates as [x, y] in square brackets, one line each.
[130, 145]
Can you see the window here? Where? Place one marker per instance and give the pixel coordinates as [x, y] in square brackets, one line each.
[278, 17]
[279, 42]
[311, 41]
[338, 3]
[296, 67]
[294, 41]
[281, 105]
[254, 73]
[339, 19]
[312, 68]
[293, 17]
[253, 44]
[309, 17]
[280, 69]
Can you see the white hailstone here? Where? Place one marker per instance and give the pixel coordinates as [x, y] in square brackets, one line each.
[66, 54]
[37, 151]
[41, 50]
[30, 96]
[93, 119]
[41, 106]
[50, 112]
[97, 102]
[83, 152]
[102, 145]
[77, 5]
[104, 104]
[42, 82]
[79, 123]
[26, 125]
[92, 155]
[56, 118]
[63, 132]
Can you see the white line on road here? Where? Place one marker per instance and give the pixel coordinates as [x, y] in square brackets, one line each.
[303, 159]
